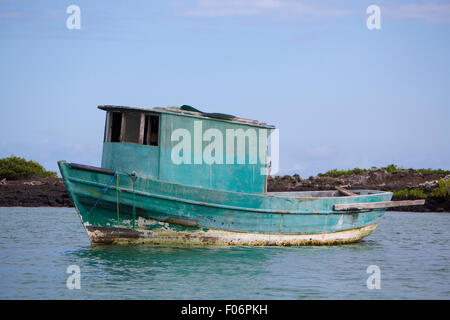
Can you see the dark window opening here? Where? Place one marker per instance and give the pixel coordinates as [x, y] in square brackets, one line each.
[151, 130]
[132, 125]
[116, 126]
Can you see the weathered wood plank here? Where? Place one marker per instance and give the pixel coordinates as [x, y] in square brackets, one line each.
[108, 127]
[141, 129]
[123, 128]
[377, 205]
[345, 192]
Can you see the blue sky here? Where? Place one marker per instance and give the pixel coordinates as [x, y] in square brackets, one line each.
[342, 96]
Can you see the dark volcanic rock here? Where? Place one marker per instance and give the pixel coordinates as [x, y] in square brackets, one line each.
[48, 192]
[374, 179]
[432, 204]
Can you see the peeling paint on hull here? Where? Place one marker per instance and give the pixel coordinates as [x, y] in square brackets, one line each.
[167, 236]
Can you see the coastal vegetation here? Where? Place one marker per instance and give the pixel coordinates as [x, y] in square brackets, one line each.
[442, 190]
[392, 168]
[16, 168]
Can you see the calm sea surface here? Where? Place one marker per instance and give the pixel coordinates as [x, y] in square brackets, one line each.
[37, 245]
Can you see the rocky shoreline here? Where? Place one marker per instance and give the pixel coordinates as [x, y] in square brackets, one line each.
[44, 192]
[51, 192]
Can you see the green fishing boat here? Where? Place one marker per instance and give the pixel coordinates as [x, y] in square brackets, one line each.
[180, 176]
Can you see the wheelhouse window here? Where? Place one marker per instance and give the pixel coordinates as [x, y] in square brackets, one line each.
[116, 126]
[151, 130]
[132, 127]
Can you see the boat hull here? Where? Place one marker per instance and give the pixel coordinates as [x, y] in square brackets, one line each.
[167, 235]
[120, 208]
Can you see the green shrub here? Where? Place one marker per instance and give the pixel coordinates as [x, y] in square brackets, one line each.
[415, 193]
[418, 193]
[434, 171]
[335, 173]
[401, 193]
[16, 168]
[392, 168]
[442, 190]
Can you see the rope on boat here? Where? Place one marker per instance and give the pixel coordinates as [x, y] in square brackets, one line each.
[133, 176]
[103, 193]
[134, 203]
[117, 202]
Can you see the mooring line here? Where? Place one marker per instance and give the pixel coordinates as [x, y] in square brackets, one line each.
[117, 202]
[134, 204]
[103, 193]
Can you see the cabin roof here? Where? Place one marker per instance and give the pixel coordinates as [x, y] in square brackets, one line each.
[180, 111]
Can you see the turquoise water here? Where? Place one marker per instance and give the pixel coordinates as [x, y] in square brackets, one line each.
[37, 245]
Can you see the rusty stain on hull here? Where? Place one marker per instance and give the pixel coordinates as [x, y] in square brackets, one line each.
[182, 222]
[109, 235]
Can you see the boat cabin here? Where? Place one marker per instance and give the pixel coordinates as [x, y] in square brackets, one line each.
[187, 146]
